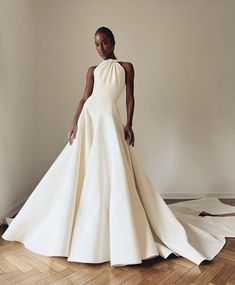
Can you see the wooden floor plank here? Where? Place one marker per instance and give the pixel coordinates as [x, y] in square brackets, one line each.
[223, 274]
[35, 277]
[19, 263]
[207, 275]
[87, 278]
[190, 275]
[231, 278]
[145, 276]
[156, 276]
[68, 279]
[6, 266]
[9, 275]
[20, 277]
[53, 277]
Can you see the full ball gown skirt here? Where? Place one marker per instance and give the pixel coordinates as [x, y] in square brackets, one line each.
[96, 203]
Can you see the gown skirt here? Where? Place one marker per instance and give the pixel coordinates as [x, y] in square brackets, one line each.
[97, 204]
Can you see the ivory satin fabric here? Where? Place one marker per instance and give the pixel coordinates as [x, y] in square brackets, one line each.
[96, 203]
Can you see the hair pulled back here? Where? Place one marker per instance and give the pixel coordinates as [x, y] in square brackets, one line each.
[108, 32]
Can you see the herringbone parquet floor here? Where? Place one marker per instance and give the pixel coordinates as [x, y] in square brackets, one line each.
[19, 265]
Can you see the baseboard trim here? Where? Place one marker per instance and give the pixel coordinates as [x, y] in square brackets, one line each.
[175, 195]
[12, 212]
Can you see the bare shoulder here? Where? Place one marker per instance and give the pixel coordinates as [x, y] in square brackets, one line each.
[90, 72]
[128, 66]
[91, 69]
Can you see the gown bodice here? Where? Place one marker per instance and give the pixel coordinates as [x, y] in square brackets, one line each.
[109, 79]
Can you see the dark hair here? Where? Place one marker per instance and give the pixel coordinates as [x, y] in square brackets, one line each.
[108, 32]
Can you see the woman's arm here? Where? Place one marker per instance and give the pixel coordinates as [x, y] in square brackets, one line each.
[130, 102]
[87, 92]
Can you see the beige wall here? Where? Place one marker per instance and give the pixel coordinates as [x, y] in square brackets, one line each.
[183, 54]
[17, 104]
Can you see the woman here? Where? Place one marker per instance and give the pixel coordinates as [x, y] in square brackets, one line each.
[97, 204]
[105, 44]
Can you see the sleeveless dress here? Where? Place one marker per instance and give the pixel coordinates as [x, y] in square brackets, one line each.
[97, 204]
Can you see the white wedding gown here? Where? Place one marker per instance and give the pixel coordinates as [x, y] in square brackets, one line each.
[97, 204]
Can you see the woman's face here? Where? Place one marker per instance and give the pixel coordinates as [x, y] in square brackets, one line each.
[103, 45]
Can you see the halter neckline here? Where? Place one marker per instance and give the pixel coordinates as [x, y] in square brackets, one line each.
[109, 59]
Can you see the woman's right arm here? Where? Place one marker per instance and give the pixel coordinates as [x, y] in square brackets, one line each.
[87, 93]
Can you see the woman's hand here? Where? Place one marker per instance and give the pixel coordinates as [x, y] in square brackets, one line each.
[129, 135]
[72, 133]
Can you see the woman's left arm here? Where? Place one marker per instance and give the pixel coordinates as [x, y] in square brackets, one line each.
[130, 102]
